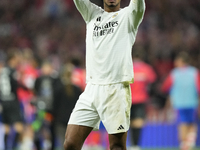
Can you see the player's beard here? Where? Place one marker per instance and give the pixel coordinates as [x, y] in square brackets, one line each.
[112, 5]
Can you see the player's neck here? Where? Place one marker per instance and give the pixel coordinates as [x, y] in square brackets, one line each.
[111, 9]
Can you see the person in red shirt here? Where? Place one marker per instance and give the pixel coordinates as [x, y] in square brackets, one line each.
[143, 76]
[78, 75]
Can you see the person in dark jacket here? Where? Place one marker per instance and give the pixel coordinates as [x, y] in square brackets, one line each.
[46, 87]
[11, 113]
[65, 101]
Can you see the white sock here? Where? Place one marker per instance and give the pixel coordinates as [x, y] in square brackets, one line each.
[191, 139]
[26, 144]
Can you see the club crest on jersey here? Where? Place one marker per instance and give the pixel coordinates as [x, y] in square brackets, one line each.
[114, 15]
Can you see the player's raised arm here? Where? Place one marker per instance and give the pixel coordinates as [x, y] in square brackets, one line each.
[137, 9]
[86, 8]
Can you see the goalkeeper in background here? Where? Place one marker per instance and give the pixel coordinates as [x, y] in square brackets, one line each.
[183, 85]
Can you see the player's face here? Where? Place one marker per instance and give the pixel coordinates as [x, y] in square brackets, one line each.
[112, 4]
[178, 62]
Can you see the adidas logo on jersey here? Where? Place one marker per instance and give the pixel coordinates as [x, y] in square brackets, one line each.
[120, 127]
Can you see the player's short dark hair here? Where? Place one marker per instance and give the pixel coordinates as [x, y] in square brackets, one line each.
[138, 54]
[12, 53]
[76, 61]
[184, 56]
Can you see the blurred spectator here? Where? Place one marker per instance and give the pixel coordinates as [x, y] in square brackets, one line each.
[46, 89]
[65, 101]
[27, 75]
[144, 75]
[78, 74]
[11, 112]
[183, 85]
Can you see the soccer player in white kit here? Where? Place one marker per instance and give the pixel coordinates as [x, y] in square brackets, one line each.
[110, 36]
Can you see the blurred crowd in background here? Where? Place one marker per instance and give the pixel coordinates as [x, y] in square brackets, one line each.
[54, 29]
[47, 37]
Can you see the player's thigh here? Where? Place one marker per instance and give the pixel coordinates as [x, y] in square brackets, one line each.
[118, 141]
[75, 136]
[138, 114]
[138, 111]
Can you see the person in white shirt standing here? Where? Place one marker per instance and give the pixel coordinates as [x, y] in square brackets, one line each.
[111, 33]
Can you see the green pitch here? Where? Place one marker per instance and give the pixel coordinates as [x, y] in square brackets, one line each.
[166, 148]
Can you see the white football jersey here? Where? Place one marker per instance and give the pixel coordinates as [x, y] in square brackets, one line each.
[109, 40]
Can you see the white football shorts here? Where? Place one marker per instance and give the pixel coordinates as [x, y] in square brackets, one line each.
[107, 103]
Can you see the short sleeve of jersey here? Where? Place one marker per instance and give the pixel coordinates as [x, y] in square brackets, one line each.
[87, 9]
[136, 13]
